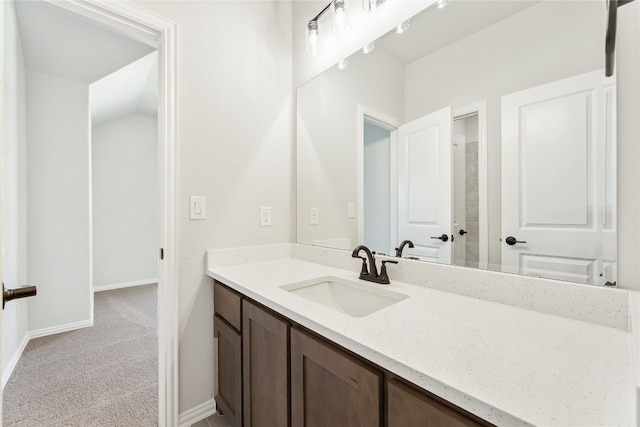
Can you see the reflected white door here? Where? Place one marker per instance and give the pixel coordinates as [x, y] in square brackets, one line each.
[424, 185]
[554, 149]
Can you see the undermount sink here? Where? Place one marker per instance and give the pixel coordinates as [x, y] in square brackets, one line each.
[346, 296]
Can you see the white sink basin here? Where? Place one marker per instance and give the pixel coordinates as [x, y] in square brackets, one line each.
[357, 299]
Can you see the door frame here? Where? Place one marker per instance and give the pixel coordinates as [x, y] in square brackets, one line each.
[389, 123]
[480, 109]
[146, 26]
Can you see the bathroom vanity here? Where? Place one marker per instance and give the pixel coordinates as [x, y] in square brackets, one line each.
[272, 367]
[288, 359]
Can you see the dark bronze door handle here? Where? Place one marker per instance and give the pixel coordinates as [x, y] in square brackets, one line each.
[11, 294]
[443, 237]
[512, 241]
[462, 232]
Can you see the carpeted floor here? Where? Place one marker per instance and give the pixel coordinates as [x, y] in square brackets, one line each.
[106, 375]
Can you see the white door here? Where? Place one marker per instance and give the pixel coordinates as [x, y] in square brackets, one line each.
[553, 165]
[424, 185]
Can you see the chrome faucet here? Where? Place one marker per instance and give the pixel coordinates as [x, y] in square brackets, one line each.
[401, 248]
[373, 276]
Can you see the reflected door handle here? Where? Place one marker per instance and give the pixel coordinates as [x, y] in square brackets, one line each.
[11, 294]
[462, 232]
[443, 237]
[512, 241]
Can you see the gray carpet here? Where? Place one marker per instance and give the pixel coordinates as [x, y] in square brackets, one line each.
[106, 375]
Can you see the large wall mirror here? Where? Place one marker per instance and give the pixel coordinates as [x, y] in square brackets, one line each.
[483, 133]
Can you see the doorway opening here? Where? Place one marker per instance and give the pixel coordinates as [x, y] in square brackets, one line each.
[141, 26]
[466, 249]
[377, 180]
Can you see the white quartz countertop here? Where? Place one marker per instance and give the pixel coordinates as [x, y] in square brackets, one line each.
[508, 365]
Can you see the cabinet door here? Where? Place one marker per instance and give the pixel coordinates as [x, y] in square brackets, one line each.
[331, 388]
[229, 360]
[407, 407]
[265, 367]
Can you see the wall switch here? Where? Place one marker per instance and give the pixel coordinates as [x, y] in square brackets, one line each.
[314, 216]
[197, 207]
[351, 210]
[265, 216]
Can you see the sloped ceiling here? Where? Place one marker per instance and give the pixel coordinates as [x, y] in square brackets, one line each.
[434, 29]
[130, 89]
[57, 42]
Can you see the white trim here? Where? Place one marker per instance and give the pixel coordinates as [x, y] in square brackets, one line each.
[480, 108]
[59, 329]
[136, 21]
[390, 123]
[197, 413]
[6, 373]
[125, 285]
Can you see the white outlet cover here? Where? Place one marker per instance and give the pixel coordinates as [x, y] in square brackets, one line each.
[314, 216]
[265, 216]
[197, 207]
[351, 210]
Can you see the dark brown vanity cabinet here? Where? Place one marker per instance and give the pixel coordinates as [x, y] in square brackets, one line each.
[272, 374]
[331, 388]
[265, 364]
[408, 407]
[227, 329]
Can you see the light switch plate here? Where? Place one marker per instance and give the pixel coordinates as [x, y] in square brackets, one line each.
[351, 210]
[265, 216]
[197, 207]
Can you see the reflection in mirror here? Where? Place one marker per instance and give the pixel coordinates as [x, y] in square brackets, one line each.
[484, 133]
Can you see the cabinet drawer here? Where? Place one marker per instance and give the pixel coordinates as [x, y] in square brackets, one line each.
[407, 407]
[227, 305]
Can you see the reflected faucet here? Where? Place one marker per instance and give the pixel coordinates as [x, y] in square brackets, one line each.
[373, 276]
[401, 248]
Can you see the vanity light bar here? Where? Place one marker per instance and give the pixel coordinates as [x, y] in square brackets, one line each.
[340, 26]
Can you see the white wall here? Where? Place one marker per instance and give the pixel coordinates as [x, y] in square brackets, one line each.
[486, 65]
[58, 189]
[628, 77]
[14, 183]
[235, 143]
[124, 198]
[327, 138]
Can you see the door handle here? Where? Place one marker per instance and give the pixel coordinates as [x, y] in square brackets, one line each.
[512, 241]
[11, 294]
[443, 237]
[462, 232]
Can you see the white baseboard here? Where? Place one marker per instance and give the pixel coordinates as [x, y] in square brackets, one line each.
[124, 285]
[6, 373]
[60, 328]
[197, 413]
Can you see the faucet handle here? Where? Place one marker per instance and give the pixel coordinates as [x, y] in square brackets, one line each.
[364, 271]
[384, 277]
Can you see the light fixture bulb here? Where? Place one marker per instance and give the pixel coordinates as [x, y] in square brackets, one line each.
[343, 64]
[403, 27]
[372, 5]
[341, 26]
[442, 4]
[368, 48]
[314, 46]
